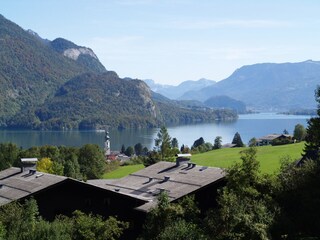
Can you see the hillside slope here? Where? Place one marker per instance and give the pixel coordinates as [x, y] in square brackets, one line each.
[94, 99]
[30, 71]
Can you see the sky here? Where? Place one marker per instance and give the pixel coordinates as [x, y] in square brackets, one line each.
[171, 41]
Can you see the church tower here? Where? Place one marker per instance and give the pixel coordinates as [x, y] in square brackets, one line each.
[107, 144]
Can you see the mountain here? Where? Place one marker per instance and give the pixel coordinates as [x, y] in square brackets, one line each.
[90, 99]
[225, 102]
[268, 86]
[83, 55]
[30, 71]
[175, 92]
[60, 85]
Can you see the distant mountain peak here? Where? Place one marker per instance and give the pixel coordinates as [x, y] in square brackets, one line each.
[77, 53]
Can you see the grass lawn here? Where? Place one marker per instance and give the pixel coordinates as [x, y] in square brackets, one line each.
[123, 171]
[268, 156]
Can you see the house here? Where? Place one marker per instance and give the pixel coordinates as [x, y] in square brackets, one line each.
[177, 179]
[269, 139]
[130, 198]
[62, 195]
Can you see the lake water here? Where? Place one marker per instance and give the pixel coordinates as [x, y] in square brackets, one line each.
[248, 125]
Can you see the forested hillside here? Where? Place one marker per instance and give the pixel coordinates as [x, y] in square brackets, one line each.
[59, 85]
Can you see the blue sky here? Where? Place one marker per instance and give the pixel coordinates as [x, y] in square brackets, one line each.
[171, 41]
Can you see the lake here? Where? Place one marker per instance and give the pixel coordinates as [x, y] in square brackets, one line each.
[248, 125]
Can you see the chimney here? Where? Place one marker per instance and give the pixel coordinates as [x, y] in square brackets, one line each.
[29, 164]
[182, 159]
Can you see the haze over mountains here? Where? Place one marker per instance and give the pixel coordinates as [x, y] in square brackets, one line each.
[264, 87]
[59, 85]
[175, 92]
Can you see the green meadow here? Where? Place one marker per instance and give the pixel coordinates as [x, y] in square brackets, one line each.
[123, 171]
[268, 156]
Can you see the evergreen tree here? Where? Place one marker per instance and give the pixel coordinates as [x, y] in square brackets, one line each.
[198, 142]
[174, 143]
[163, 142]
[237, 140]
[312, 146]
[123, 149]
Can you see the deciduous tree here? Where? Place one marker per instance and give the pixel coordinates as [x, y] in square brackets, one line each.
[299, 132]
[92, 161]
[246, 209]
[217, 142]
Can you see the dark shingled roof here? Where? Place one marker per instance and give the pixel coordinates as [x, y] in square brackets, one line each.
[15, 184]
[177, 181]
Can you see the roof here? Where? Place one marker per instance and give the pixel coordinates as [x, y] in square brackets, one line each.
[271, 137]
[15, 184]
[177, 181]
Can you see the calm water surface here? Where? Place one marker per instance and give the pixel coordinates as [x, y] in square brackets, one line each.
[248, 125]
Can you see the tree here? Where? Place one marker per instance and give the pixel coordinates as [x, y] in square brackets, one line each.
[163, 142]
[45, 165]
[138, 148]
[87, 227]
[299, 132]
[22, 221]
[237, 140]
[153, 157]
[217, 142]
[72, 168]
[9, 154]
[312, 145]
[123, 149]
[198, 142]
[51, 152]
[173, 220]
[252, 142]
[19, 220]
[174, 143]
[298, 194]
[92, 161]
[129, 151]
[184, 149]
[246, 208]
[285, 131]
[145, 151]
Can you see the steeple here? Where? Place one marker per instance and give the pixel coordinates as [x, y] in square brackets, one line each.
[106, 144]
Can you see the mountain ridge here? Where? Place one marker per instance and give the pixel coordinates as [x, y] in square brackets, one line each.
[266, 86]
[60, 85]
